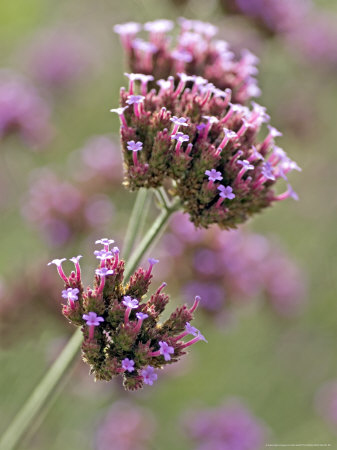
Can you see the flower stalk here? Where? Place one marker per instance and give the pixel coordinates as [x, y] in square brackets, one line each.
[42, 394]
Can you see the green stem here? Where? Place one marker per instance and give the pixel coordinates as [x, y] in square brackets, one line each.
[150, 238]
[134, 222]
[43, 393]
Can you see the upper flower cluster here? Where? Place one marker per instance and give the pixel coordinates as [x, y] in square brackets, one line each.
[195, 52]
[122, 334]
[208, 146]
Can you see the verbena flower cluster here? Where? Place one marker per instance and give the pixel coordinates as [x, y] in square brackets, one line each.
[233, 268]
[206, 146]
[229, 427]
[195, 52]
[121, 331]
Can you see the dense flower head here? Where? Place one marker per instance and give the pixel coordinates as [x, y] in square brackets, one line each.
[195, 52]
[231, 426]
[218, 137]
[23, 111]
[121, 330]
[232, 269]
[62, 210]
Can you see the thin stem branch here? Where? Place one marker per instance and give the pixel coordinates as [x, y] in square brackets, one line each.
[134, 222]
[150, 238]
[45, 390]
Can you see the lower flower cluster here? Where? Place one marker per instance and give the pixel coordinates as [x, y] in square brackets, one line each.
[121, 330]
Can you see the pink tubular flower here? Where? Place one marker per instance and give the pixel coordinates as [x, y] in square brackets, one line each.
[92, 320]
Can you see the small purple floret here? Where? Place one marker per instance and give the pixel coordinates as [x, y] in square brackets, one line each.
[128, 364]
[70, 294]
[213, 175]
[104, 271]
[226, 192]
[179, 121]
[130, 302]
[104, 241]
[92, 319]
[245, 164]
[153, 261]
[149, 375]
[165, 350]
[135, 146]
[180, 137]
[141, 316]
[135, 99]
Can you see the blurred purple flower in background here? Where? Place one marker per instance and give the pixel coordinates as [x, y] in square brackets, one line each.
[99, 161]
[275, 15]
[229, 427]
[233, 268]
[61, 210]
[23, 111]
[125, 427]
[60, 58]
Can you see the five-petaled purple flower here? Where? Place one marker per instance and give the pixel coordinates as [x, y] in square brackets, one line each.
[130, 302]
[71, 295]
[92, 320]
[213, 175]
[149, 375]
[128, 364]
[181, 137]
[226, 192]
[135, 99]
[245, 164]
[267, 171]
[141, 316]
[135, 147]
[103, 272]
[165, 350]
[103, 254]
[178, 122]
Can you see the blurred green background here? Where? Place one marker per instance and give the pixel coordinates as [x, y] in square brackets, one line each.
[274, 365]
